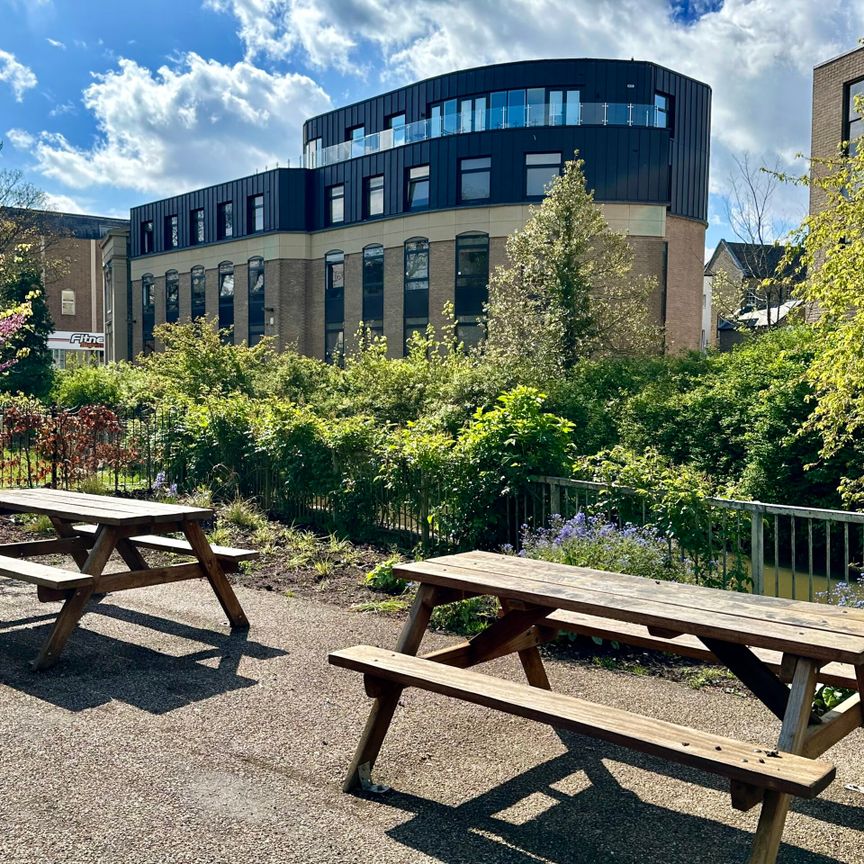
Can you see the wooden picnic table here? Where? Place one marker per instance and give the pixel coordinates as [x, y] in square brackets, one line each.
[766, 642]
[90, 528]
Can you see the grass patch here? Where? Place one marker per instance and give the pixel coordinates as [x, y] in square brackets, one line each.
[37, 523]
[391, 606]
[244, 514]
[707, 676]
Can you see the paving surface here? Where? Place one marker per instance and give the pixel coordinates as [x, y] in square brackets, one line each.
[161, 738]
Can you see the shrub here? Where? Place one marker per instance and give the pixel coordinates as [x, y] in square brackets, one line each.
[465, 617]
[381, 578]
[591, 541]
[91, 384]
[243, 513]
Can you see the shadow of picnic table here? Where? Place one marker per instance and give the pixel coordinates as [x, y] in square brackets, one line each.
[96, 669]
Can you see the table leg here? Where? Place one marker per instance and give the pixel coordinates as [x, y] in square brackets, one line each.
[215, 574]
[532, 662]
[73, 608]
[385, 704]
[775, 805]
[65, 530]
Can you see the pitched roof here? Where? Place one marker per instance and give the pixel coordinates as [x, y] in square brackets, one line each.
[756, 260]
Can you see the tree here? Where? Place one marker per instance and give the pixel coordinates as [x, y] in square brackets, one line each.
[21, 287]
[569, 291]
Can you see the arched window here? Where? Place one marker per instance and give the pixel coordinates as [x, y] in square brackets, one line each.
[472, 285]
[373, 288]
[226, 300]
[148, 312]
[172, 296]
[334, 306]
[255, 268]
[199, 292]
[416, 287]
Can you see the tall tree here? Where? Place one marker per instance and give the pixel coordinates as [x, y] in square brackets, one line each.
[569, 290]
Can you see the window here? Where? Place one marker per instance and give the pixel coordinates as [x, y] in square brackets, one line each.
[854, 125]
[255, 269]
[445, 119]
[109, 287]
[334, 307]
[148, 312]
[172, 296]
[573, 117]
[225, 220]
[556, 108]
[535, 113]
[67, 302]
[256, 213]
[662, 111]
[199, 292]
[474, 179]
[540, 170]
[498, 110]
[375, 195]
[416, 288]
[147, 237]
[357, 137]
[226, 301]
[172, 232]
[472, 284]
[373, 289]
[418, 188]
[196, 226]
[336, 204]
[516, 108]
[313, 151]
[397, 124]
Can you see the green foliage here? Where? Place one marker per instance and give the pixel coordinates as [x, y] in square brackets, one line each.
[465, 617]
[243, 513]
[112, 384]
[381, 578]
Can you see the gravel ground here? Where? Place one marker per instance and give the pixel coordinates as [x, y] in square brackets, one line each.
[161, 738]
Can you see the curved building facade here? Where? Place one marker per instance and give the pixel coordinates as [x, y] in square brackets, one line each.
[404, 202]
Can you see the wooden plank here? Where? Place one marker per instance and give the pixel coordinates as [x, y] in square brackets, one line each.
[32, 548]
[815, 643]
[42, 574]
[775, 806]
[112, 582]
[834, 726]
[725, 756]
[835, 674]
[793, 612]
[64, 530]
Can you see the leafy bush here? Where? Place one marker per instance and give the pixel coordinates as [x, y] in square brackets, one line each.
[90, 384]
[465, 617]
[591, 541]
[381, 578]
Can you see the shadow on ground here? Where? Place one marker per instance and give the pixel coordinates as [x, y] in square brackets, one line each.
[572, 810]
[95, 669]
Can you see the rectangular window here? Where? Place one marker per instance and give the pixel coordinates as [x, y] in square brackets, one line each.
[196, 226]
[225, 220]
[498, 110]
[416, 289]
[397, 124]
[556, 108]
[255, 270]
[536, 111]
[336, 204]
[311, 157]
[516, 109]
[662, 111]
[375, 195]
[334, 307]
[147, 237]
[67, 302]
[199, 292]
[357, 137]
[255, 217]
[854, 126]
[466, 115]
[418, 188]
[226, 301]
[573, 115]
[474, 179]
[172, 232]
[479, 113]
[373, 288]
[172, 296]
[472, 276]
[540, 170]
[148, 312]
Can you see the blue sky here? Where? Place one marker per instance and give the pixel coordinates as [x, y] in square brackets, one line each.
[108, 105]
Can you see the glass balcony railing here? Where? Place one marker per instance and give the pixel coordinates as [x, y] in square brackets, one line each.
[459, 123]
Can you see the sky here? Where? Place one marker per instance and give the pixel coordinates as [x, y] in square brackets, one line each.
[108, 105]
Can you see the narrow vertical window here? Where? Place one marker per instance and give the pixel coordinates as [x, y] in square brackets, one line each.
[573, 115]
[373, 289]
[196, 226]
[662, 111]
[225, 220]
[67, 302]
[397, 124]
[109, 288]
[418, 188]
[556, 108]
[357, 137]
[416, 288]
[255, 216]
[472, 286]
[148, 312]
[172, 232]
[498, 110]
[540, 170]
[475, 179]
[226, 301]
[479, 113]
[375, 195]
[334, 307]
[854, 126]
[516, 108]
[256, 300]
[535, 114]
[311, 158]
[199, 292]
[336, 204]
[147, 237]
[172, 296]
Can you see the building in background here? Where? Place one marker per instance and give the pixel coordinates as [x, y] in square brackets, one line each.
[404, 202]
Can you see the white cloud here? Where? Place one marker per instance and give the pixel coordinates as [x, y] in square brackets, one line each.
[55, 43]
[18, 76]
[20, 139]
[64, 204]
[182, 127]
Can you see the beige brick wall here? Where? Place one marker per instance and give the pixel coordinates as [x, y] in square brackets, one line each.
[648, 260]
[76, 265]
[442, 279]
[684, 271]
[394, 299]
[829, 86]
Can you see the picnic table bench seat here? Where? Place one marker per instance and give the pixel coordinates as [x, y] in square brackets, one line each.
[42, 575]
[685, 645]
[229, 557]
[763, 768]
